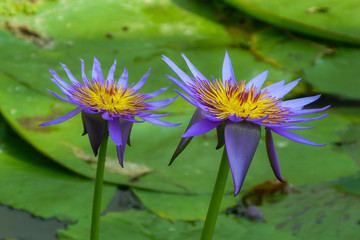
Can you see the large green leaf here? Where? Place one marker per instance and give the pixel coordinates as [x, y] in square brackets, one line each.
[332, 20]
[34, 184]
[329, 70]
[25, 103]
[317, 212]
[181, 207]
[141, 225]
[287, 51]
[337, 74]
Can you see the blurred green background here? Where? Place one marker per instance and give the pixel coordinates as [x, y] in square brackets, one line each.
[46, 173]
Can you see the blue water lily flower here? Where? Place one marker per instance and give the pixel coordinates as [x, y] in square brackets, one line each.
[105, 102]
[238, 110]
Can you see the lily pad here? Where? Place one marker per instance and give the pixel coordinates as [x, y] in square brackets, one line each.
[349, 185]
[45, 189]
[317, 212]
[317, 18]
[337, 74]
[142, 225]
[25, 103]
[287, 51]
[73, 151]
[181, 207]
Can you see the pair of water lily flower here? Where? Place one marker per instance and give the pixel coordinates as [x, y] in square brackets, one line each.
[236, 109]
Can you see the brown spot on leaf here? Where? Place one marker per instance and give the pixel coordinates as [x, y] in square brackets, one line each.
[32, 123]
[258, 193]
[318, 10]
[109, 35]
[23, 31]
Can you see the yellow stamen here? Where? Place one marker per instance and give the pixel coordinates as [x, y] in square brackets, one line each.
[233, 99]
[116, 100]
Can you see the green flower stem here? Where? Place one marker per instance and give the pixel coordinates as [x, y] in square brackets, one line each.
[96, 211]
[217, 195]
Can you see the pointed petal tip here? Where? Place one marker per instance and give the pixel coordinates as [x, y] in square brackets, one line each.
[237, 191]
[172, 160]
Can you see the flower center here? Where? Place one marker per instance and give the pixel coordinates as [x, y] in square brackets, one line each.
[112, 98]
[233, 99]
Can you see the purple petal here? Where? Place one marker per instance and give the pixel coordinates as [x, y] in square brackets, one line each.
[201, 127]
[58, 96]
[123, 79]
[110, 76]
[255, 120]
[70, 75]
[96, 71]
[115, 131]
[160, 122]
[257, 81]
[95, 127]
[211, 118]
[125, 127]
[63, 90]
[197, 116]
[162, 102]
[227, 70]
[190, 100]
[281, 92]
[141, 82]
[90, 111]
[156, 93]
[183, 76]
[83, 75]
[153, 115]
[272, 124]
[274, 86]
[60, 81]
[63, 118]
[155, 105]
[270, 148]
[181, 85]
[241, 141]
[130, 119]
[299, 103]
[296, 120]
[294, 137]
[307, 111]
[293, 127]
[107, 116]
[235, 118]
[193, 69]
